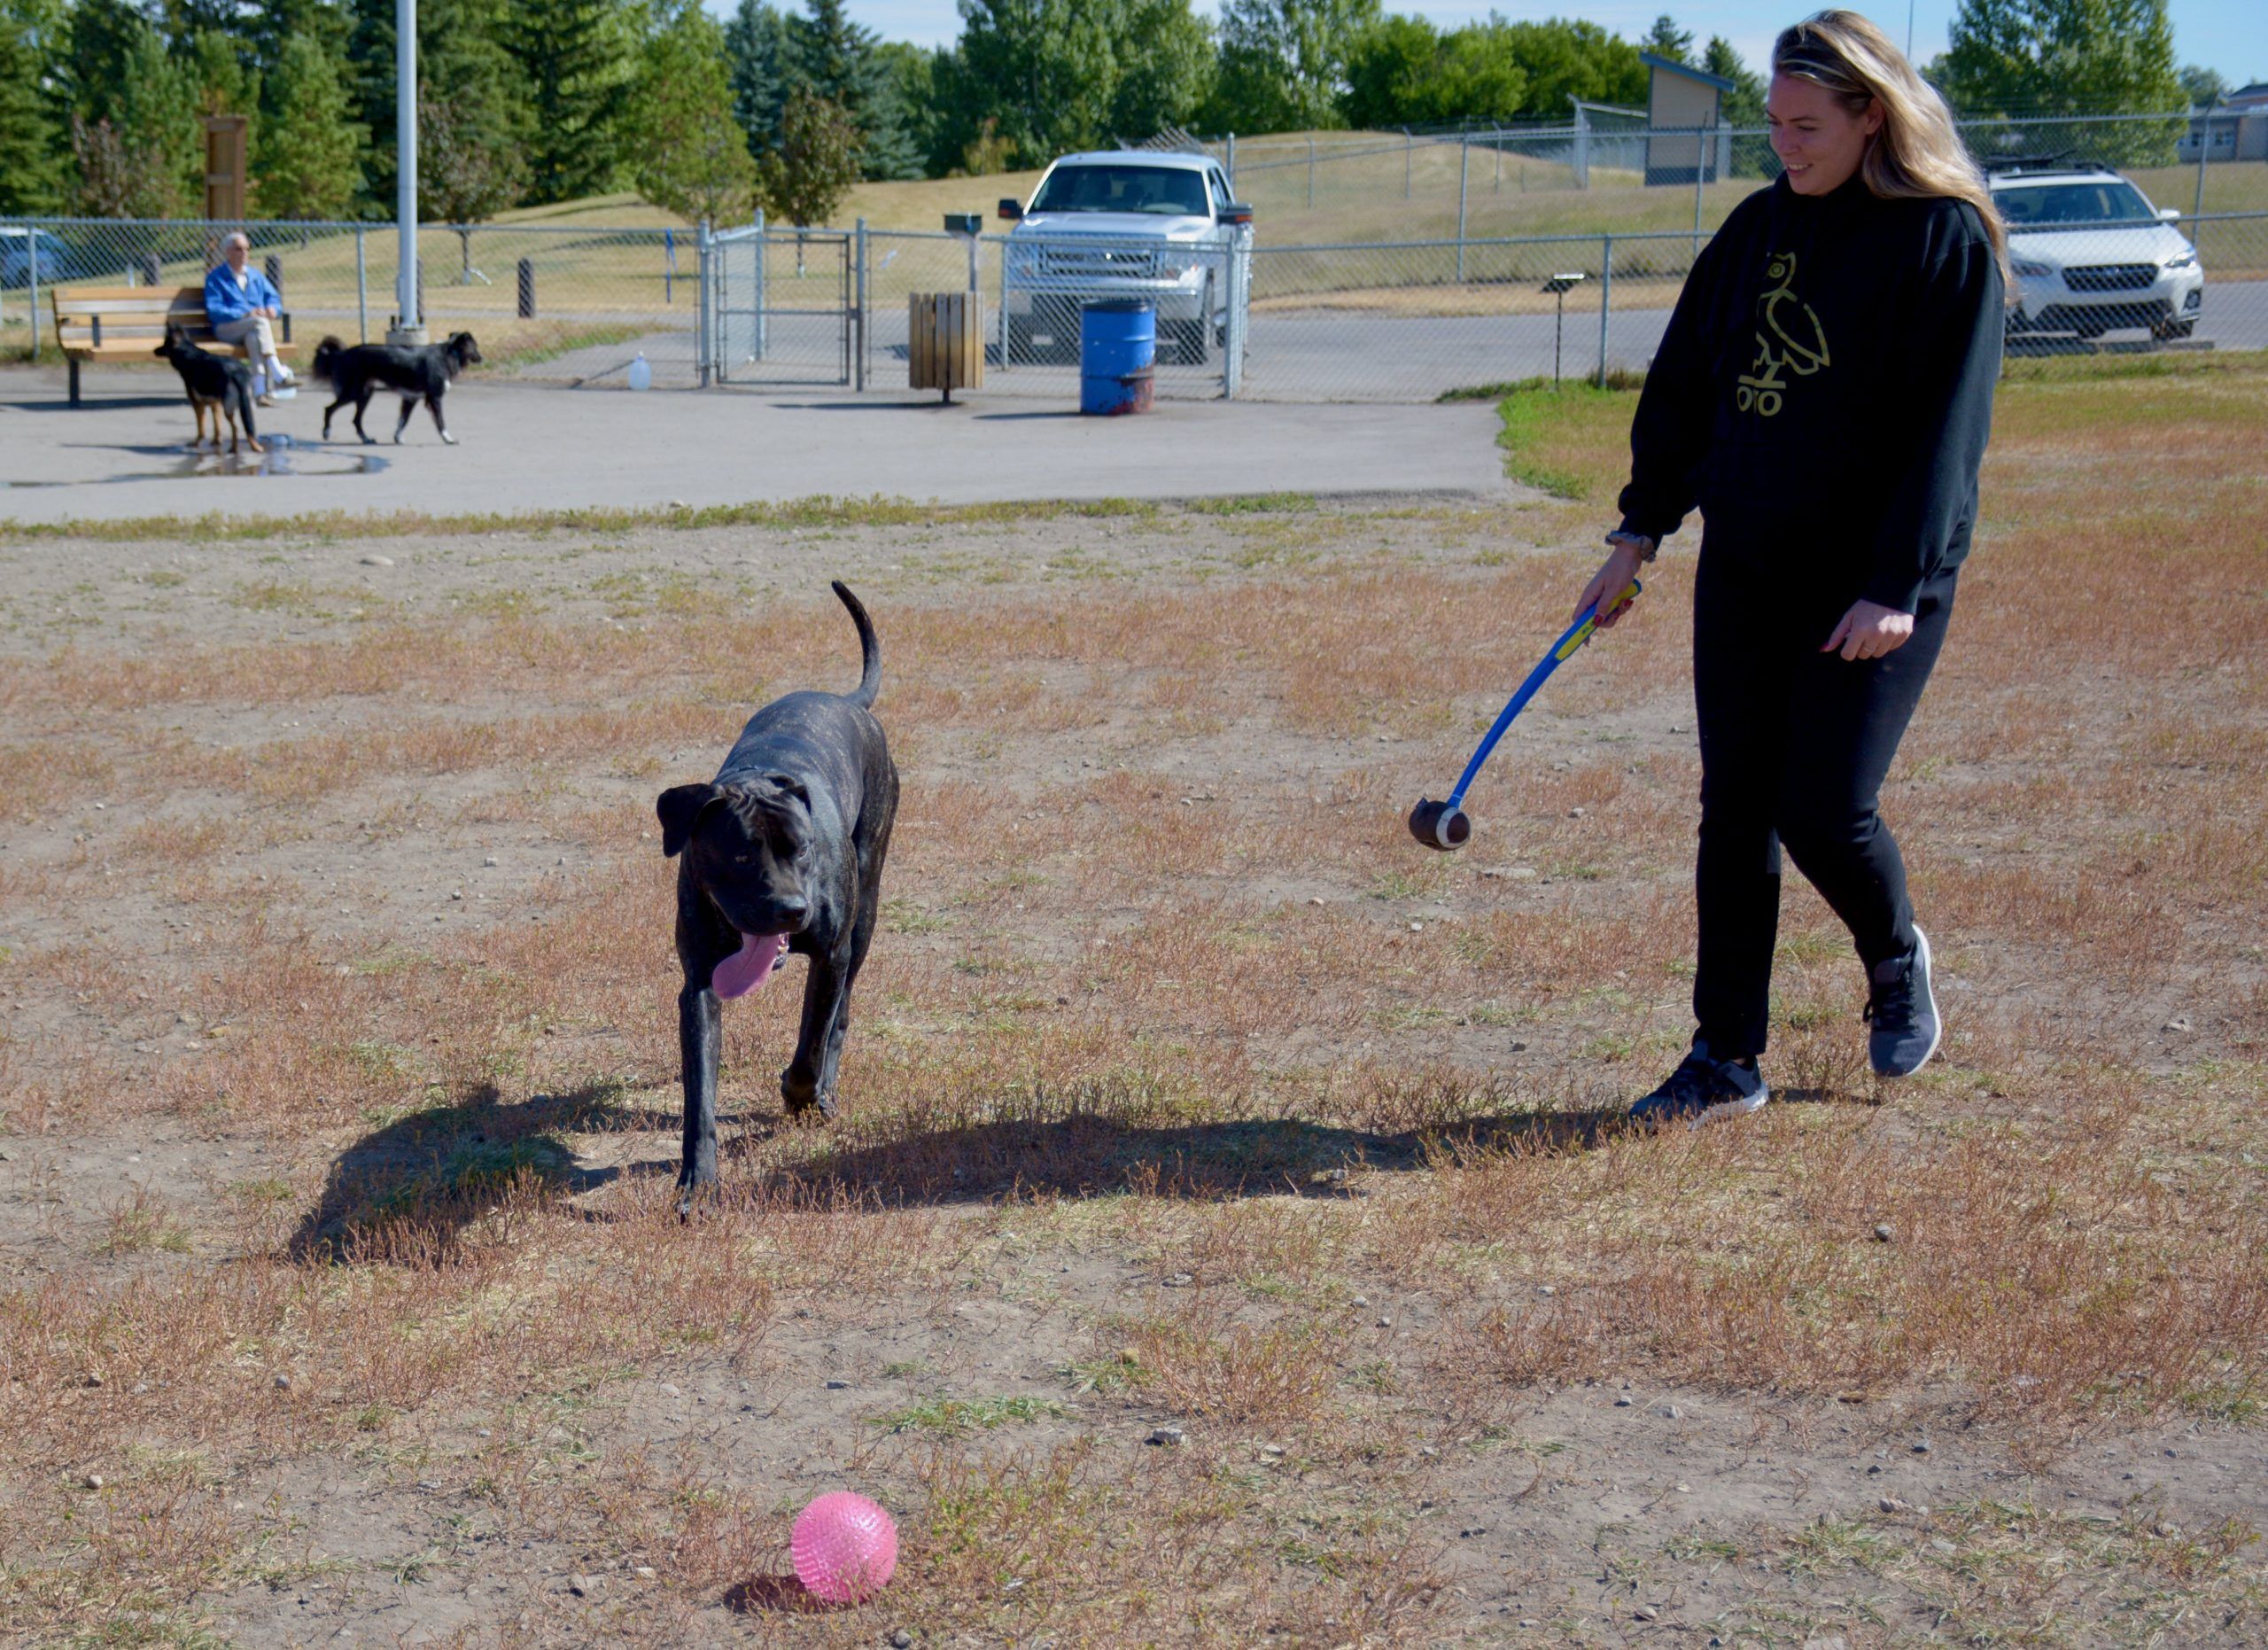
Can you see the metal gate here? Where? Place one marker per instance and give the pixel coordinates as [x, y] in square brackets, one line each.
[783, 308]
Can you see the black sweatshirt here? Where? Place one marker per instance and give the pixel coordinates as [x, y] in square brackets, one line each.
[1825, 388]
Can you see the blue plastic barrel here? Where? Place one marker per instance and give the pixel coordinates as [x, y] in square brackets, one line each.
[1118, 356]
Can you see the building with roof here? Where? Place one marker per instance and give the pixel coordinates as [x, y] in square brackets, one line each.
[2234, 128]
[1685, 115]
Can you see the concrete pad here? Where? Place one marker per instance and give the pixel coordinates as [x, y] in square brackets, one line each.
[124, 451]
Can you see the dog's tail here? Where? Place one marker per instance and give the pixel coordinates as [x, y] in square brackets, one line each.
[240, 392]
[327, 353]
[870, 649]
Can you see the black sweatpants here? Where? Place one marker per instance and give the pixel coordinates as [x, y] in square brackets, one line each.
[1795, 744]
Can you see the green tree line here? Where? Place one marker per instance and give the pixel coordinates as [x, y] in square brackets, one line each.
[786, 102]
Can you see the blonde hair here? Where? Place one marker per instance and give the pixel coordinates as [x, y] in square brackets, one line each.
[1917, 153]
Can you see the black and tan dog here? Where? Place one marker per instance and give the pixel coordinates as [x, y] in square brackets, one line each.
[220, 385]
[420, 372]
[782, 852]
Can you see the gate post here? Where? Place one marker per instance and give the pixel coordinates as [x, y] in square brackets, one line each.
[1002, 307]
[704, 332]
[762, 292]
[1606, 299]
[1239, 286]
[859, 337]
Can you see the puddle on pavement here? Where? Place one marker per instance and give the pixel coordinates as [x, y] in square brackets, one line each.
[283, 457]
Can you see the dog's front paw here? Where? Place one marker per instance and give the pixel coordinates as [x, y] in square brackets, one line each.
[804, 1099]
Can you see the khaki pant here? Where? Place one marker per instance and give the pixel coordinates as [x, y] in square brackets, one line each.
[254, 331]
[254, 328]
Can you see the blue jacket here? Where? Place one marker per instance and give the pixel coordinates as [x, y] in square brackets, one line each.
[225, 300]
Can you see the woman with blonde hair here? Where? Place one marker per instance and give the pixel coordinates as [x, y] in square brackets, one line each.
[1823, 395]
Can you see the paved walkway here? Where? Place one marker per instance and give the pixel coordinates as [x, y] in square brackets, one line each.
[124, 452]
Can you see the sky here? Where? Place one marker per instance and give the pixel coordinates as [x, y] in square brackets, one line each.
[2231, 36]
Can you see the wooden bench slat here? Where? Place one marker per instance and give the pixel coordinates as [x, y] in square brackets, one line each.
[114, 342]
[124, 307]
[153, 327]
[193, 294]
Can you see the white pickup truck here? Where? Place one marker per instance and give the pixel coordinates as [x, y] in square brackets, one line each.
[1125, 223]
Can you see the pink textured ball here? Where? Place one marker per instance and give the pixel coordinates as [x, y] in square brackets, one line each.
[845, 1548]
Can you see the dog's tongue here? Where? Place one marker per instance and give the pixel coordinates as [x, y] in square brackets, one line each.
[755, 963]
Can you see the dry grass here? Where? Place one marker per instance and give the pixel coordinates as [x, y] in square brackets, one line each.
[1183, 1089]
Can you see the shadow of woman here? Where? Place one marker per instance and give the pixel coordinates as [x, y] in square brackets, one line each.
[408, 1189]
[1095, 1154]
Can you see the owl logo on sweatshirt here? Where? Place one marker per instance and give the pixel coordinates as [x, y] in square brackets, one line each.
[1789, 339]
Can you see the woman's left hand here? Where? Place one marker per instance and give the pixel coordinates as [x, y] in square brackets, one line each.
[1870, 630]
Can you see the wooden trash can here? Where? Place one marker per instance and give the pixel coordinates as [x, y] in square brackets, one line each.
[945, 347]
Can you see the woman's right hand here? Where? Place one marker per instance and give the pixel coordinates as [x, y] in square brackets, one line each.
[1613, 577]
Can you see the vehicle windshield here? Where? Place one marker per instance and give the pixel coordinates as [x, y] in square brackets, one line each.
[2041, 205]
[1167, 192]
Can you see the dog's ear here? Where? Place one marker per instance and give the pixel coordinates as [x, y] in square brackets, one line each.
[790, 786]
[678, 807]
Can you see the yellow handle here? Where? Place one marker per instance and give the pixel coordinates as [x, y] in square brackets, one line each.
[1581, 634]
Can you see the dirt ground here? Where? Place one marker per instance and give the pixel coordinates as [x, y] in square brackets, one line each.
[338, 1109]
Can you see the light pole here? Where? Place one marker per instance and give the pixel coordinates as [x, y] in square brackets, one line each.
[409, 325]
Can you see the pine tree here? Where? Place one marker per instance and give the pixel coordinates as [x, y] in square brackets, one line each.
[760, 62]
[160, 139]
[688, 153]
[479, 98]
[31, 158]
[326, 24]
[1744, 104]
[837, 59]
[1665, 39]
[99, 37]
[572, 54]
[312, 147]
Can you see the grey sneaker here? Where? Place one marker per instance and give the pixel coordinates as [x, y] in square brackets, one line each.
[1703, 1089]
[1902, 1012]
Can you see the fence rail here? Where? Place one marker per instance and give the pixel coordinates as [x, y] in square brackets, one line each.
[1402, 317]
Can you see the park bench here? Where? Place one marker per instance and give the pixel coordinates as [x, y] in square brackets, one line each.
[117, 323]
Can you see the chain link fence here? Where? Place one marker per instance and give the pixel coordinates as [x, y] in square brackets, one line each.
[1499, 180]
[565, 304]
[1421, 291]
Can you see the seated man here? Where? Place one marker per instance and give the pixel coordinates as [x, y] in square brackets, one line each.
[239, 302]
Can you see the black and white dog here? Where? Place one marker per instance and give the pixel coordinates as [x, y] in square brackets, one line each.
[420, 372]
[782, 851]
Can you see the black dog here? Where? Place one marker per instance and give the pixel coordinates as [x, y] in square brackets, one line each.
[220, 385]
[783, 852]
[421, 372]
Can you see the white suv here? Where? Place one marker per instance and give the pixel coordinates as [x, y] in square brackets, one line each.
[2091, 255]
[1125, 223]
